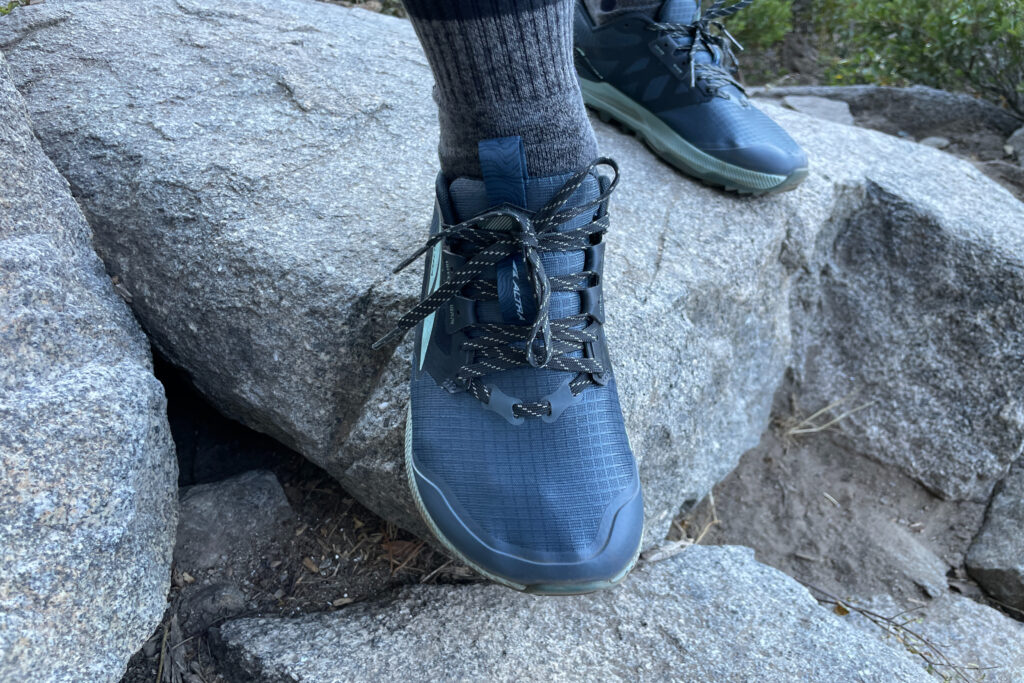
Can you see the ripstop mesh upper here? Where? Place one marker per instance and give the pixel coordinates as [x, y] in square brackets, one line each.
[536, 485]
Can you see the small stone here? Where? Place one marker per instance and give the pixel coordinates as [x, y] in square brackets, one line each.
[836, 111]
[228, 521]
[1016, 144]
[936, 142]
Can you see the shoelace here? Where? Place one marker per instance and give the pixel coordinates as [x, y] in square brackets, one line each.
[489, 238]
[703, 40]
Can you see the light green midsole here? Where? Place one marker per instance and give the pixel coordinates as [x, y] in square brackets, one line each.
[670, 145]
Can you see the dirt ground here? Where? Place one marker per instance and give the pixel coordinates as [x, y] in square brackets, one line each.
[839, 521]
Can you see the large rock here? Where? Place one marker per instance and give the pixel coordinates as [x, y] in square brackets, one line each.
[909, 319]
[253, 169]
[710, 614]
[996, 558]
[87, 470]
[917, 110]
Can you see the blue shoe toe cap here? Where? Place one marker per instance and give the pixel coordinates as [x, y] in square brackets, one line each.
[764, 158]
[602, 563]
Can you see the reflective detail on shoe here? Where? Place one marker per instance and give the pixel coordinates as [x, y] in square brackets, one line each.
[434, 281]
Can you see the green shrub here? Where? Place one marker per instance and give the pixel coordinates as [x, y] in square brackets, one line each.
[763, 24]
[974, 45]
[7, 7]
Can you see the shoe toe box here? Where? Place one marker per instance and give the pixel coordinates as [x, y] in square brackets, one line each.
[739, 134]
[539, 568]
[764, 157]
[549, 507]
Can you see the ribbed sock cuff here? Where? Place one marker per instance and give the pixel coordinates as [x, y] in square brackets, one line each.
[501, 69]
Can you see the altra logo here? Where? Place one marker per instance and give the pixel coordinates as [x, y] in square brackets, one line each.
[517, 296]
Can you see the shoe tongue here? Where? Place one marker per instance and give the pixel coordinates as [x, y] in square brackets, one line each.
[685, 12]
[470, 197]
[505, 181]
[678, 12]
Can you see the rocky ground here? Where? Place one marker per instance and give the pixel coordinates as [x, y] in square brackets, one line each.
[263, 531]
[852, 530]
[830, 377]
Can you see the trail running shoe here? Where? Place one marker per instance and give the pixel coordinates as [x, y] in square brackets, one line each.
[515, 445]
[668, 80]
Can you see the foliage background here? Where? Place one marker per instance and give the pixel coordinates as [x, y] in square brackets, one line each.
[975, 46]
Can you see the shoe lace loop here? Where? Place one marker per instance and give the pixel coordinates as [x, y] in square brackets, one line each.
[703, 39]
[489, 238]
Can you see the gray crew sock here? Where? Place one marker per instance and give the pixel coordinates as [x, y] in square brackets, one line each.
[603, 10]
[504, 68]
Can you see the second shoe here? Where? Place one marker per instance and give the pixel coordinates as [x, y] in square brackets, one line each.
[668, 79]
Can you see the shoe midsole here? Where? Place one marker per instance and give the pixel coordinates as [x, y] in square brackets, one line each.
[669, 144]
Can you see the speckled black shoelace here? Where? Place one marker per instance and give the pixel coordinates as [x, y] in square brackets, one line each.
[486, 240]
[715, 75]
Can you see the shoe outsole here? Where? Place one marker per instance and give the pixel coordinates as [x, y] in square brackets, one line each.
[534, 589]
[611, 104]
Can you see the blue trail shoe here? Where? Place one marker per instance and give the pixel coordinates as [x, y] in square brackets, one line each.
[668, 80]
[515, 445]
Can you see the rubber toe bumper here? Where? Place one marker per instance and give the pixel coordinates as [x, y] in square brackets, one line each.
[602, 564]
[763, 158]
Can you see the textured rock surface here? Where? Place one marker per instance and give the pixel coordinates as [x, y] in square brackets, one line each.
[1016, 141]
[918, 110]
[910, 312]
[836, 111]
[996, 558]
[228, 518]
[710, 614]
[985, 643]
[87, 472]
[225, 153]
